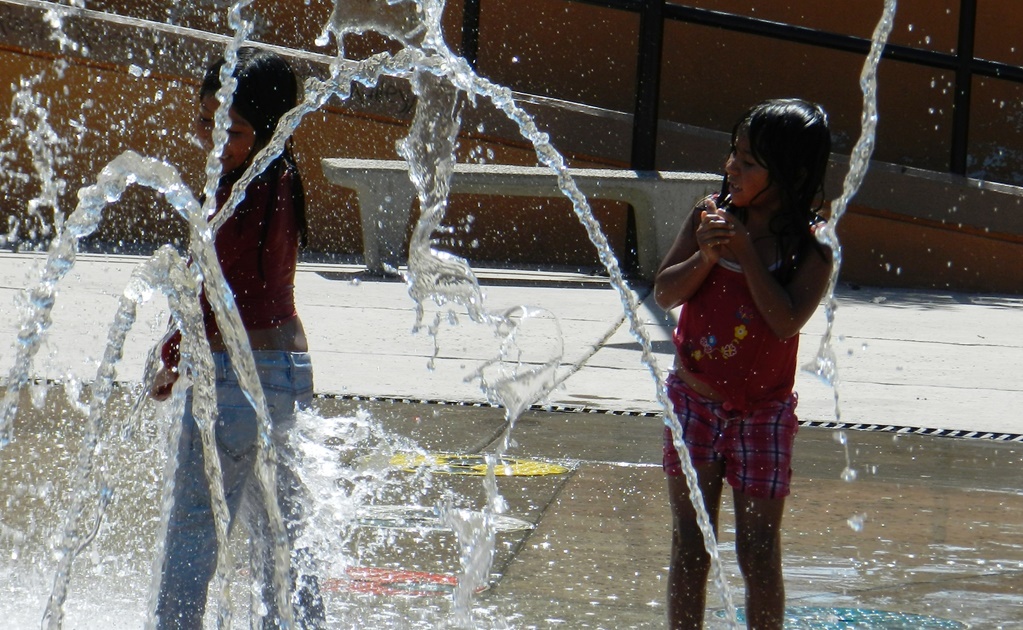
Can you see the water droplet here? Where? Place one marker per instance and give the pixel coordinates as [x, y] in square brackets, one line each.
[37, 393]
[856, 522]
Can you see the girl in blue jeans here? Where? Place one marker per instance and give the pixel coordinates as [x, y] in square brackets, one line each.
[257, 248]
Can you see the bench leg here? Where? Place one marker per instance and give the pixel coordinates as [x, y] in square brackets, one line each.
[385, 209]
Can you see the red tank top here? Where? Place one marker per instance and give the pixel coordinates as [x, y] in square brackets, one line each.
[724, 342]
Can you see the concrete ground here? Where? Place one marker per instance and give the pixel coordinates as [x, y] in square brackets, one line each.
[931, 525]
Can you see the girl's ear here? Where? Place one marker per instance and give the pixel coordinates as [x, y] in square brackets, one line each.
[257, 146]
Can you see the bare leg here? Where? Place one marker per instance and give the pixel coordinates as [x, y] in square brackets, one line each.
[690, 564]
[758, 547]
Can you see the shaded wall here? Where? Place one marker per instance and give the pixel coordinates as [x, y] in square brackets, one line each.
[134, 89]
[127, 88]
[710, 76]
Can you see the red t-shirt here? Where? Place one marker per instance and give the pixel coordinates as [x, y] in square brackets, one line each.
[258, 252]
[724, 342]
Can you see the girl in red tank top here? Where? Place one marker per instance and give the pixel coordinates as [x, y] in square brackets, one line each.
[748, 273]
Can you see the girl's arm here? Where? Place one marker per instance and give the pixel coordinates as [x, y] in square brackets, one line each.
[786, 309]
[692, 256]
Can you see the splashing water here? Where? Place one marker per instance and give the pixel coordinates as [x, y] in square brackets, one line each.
[441, 81]
[429, 151]
[824, 364]
[29, 113]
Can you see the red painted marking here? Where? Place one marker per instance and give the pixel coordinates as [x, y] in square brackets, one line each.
[378, 581]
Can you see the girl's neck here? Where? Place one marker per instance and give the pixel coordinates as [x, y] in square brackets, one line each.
[759, 217]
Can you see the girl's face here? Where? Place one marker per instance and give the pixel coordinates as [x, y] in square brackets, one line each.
[241, 137]
[749, 183]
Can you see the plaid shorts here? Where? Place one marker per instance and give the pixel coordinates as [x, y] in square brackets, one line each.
[756, 447]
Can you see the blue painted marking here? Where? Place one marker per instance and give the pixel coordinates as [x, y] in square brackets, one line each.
[821, 618]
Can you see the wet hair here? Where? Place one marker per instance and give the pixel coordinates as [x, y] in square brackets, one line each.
[267, 90]
[791, 139]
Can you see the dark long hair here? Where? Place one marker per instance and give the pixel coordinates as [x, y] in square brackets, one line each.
[791, 139]
[267, 89]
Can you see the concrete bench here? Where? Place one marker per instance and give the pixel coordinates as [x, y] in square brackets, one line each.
[385, 193]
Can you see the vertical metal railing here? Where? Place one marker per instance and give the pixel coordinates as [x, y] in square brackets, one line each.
[648, 86]
[471, 31]
[654, 13]
[963, 87]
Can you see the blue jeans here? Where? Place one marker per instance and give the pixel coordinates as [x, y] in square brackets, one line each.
[191, 555]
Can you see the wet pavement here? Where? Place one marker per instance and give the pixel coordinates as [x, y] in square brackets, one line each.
[931, 525]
